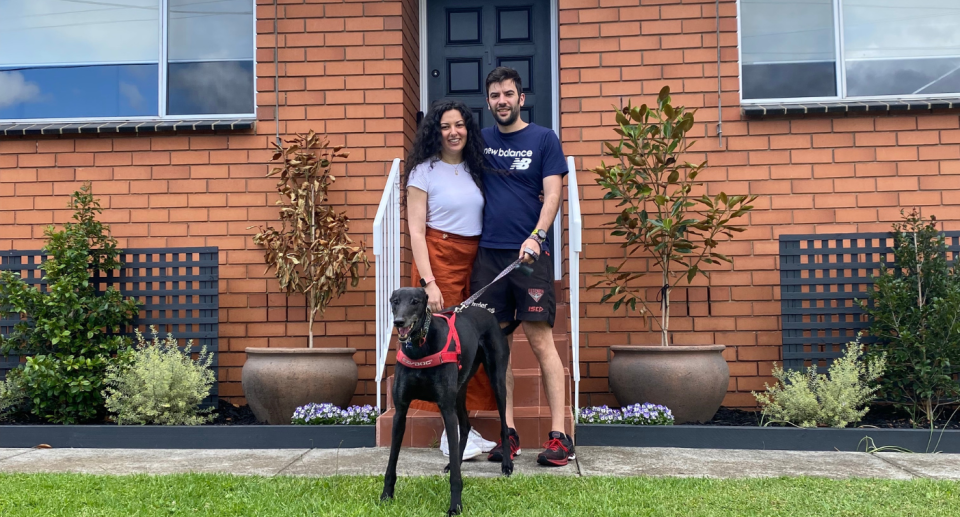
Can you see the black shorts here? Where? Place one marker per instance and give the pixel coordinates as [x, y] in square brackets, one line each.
[515, 297]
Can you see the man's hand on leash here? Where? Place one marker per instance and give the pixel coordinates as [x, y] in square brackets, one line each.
[528, 246]
[434, 297]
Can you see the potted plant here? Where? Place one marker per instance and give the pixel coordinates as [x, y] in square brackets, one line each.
[666, 215]
[311, 254]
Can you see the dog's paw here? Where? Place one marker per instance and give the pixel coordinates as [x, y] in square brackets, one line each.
[455, 509]
[507, 468]
[386, 496]
[446, 469]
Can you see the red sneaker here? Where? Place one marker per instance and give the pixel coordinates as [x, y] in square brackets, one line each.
[497, 453]
[558, 450]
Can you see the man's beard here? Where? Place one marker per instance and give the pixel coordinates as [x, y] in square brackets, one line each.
[511, 118]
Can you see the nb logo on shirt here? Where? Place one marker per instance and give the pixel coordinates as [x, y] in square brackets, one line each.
[520, 164]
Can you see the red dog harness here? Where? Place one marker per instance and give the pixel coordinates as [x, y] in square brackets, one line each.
[445, 355]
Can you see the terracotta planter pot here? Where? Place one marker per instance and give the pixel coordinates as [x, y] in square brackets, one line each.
[690, 380]
[278, 380]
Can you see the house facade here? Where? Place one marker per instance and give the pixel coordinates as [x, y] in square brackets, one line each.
[837, 114]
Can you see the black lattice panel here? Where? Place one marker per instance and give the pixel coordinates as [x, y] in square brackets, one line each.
[820, 277]
[178, 289]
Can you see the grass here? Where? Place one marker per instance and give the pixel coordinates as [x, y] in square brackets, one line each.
[222, 495]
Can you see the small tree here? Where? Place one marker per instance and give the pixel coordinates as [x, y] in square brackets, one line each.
[70, 328]
[662, 214]
[311, 253]
[915, 308]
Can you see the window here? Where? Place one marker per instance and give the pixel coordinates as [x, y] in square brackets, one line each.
[84, 59]
[856, 49]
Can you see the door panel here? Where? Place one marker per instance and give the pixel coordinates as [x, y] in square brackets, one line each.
[467, 39]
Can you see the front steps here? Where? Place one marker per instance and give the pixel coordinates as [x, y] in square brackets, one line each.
[531, 411]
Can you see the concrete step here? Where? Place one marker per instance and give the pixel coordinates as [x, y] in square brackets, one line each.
[527, 388]
[531, 413]
[424, 428]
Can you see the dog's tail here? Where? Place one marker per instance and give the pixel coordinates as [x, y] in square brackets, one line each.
[511, 327]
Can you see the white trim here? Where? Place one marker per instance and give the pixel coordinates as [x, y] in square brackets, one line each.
[17, 67]
[840, 44]
[424, 73]
[576, 246]
[162, 73]
[555, 63]
[555, 110]
[739, 54]
[880, 98]
[89, 120]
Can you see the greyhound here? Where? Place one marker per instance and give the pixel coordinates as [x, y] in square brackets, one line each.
[430, 368]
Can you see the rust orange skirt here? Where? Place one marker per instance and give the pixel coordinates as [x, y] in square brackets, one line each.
[451, 259]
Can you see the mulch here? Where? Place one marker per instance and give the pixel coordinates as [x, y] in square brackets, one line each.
[227, 414]
[880, 416]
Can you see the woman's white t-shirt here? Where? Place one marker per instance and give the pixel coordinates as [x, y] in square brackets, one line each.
[454, 202]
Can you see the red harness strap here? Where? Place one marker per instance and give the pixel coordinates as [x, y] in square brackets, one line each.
[445, 355]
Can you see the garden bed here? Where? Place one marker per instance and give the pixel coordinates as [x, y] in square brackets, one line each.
[737, 429]
[234, 428]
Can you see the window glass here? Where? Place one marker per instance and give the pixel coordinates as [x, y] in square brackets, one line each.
[895, 47]
[203, 30]
[78, 92]
[72, 59]
[66, 59]
[53, 32]
[788, 49]
[210, 56]
[209, 88]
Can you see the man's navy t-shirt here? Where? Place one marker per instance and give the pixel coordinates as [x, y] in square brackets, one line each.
[520, 161]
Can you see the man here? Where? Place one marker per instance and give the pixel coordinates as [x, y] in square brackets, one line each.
[526, 160]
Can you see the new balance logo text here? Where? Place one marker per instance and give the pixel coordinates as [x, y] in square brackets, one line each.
[508, 153]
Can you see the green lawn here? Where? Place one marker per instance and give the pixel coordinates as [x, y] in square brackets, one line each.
[216, 495]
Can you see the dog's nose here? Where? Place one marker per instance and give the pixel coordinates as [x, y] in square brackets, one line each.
[397, 322]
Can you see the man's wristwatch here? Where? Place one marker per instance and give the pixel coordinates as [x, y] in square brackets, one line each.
[539, 235]
[425, 281]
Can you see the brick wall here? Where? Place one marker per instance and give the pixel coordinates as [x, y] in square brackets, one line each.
[345, 69]
[814, 174]
[350, 69]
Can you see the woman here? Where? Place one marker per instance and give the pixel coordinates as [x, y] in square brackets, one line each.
[444, 204]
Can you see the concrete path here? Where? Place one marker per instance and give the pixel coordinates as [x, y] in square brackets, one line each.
[591, 461]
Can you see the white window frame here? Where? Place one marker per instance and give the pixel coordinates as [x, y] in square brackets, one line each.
[162, 91]
[840, 72]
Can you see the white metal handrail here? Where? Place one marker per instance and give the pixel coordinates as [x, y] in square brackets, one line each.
[386, 249]
[576, 246]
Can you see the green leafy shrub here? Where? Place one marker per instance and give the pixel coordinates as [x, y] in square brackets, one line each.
[70, 330]
[811, 399]
[664, 211]
[916, 320]
[160, 385]
[11, 396]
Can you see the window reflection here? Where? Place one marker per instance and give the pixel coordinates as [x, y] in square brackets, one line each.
[62, 59]
[788, 49]
[80, 91]
[208, 88]
[893, 47]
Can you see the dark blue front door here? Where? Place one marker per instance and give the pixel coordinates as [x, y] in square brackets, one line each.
[469, 38]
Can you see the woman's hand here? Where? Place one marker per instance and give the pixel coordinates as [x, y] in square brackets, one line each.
[434, 297]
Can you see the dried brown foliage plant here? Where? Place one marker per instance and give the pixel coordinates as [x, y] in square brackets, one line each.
[312, 252]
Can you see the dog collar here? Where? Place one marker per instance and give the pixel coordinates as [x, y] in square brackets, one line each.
[424, 330]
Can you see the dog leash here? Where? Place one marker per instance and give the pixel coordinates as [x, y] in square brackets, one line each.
[469, 301]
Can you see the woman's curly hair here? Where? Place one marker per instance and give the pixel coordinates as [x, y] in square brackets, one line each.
[428, 143]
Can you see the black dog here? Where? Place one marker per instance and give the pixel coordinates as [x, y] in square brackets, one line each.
[421, 335]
